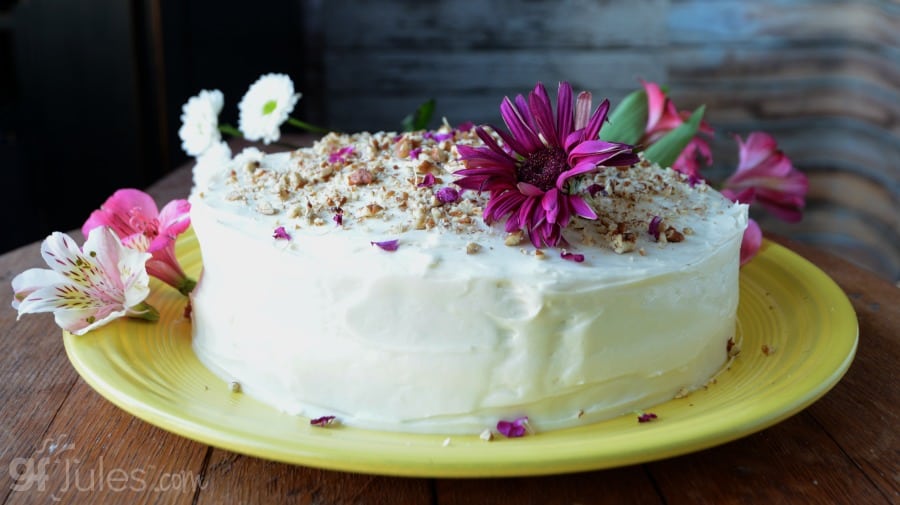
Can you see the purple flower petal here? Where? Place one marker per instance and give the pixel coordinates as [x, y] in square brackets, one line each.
[415, 152]
[340, 155]
[566, 255]
[513, 429]
[646, 417]
[528, 175]
[388, 245]
[653, 229]
[593, 189]
[322, 421]
[427, 181]
[447, 195]
[281, 234]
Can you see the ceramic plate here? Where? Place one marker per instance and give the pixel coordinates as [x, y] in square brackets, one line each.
[787, 305]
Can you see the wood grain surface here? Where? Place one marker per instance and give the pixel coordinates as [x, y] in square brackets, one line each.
[62, 442]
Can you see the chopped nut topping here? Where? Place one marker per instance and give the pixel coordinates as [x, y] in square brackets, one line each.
[514, 238]
[472, 248]
[360, 177]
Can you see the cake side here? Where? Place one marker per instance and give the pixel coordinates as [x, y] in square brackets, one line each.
[463, 324]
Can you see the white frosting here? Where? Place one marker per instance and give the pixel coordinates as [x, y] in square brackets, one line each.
[432, 338]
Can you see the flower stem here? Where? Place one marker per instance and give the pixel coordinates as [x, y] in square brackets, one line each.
[230, 130]
[306, 126]
[144, 311]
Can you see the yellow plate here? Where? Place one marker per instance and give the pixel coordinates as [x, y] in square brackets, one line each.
[787, 304]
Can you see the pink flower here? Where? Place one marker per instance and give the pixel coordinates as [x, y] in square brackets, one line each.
[767, 176]
[529, 176]
[751, 242]
[664, 117]
[85, 289]
[133, 215]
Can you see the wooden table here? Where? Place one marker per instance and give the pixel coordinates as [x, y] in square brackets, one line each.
[60, 439]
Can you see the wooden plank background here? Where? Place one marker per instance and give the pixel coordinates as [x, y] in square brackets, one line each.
[820, 75]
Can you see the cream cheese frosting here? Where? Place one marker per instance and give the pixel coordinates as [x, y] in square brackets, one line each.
[463, 324]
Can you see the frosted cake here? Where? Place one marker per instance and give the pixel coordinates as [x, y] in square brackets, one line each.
[353, 279]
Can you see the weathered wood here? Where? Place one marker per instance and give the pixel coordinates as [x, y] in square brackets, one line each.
[435, 27]
[819, 75]
[622, 485]
[36, 376]
[803, 460]
[227, 475]
[97, 452]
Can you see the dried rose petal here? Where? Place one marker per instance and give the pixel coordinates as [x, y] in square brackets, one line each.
[322, 421]
[281, 234]
[427, 181]
[653, 229]
[515, 429]
[414, 153]
[566, 255]
[646, 417]
[447, 195]
[388, 245]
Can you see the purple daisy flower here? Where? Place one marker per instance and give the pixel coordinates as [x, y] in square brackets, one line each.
[528, 177]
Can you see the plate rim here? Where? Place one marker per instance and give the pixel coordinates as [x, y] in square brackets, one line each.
[454, 460]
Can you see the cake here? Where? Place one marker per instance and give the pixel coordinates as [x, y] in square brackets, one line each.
[354, 279]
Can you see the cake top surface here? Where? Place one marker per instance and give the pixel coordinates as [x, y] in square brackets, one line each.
[358, 189]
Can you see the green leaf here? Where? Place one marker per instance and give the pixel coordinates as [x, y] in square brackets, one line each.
[627, 121]
[420, 118]
[667, 149]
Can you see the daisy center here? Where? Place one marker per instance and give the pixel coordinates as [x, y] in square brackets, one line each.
[542, 168]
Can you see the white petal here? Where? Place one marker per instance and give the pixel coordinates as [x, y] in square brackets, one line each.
[253, 122]
[60, 252]
[200, 122]
[76, 321]
[32, 280]
[211, 162]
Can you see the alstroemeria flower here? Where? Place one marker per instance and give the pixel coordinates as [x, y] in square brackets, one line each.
[528, 176]
[86, 288]
[133, 215]
[200, 122]
[767, 176]
[265, 106]
[664, 117]
[751, 241]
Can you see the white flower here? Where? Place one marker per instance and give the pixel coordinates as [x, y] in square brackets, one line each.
[266, 106]
[211, 162]
[200, 122]
[86, 288]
